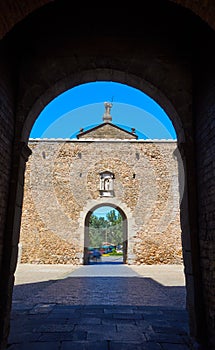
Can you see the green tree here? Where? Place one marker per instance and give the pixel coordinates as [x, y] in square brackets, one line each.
[114, 218]
[106, 229]
[97, 226]
[115, 224]
[97, 222]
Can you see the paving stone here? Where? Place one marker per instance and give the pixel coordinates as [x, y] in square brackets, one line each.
[56, 336]
[165, 338]
[20, 337]
[61, 317]
[70, 309]
[79, 335]
[106, 336]
[99, 327]
[42, 308]
[167, 346]
[94, 308]
[127, 316]
[48, 328]
[169, 330]
[127, 328]
[145, 325]
[20, 307]
[36, 346]
[114, 321]
[85, 345]
[134, 346]
[58, 317]
[120, 308]
[88, 320]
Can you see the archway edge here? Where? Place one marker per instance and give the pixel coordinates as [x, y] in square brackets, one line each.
[88, 76]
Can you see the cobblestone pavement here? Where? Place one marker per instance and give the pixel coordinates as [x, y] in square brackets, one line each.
[101, 306]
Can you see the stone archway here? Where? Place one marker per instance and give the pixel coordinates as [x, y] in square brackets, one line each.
[120, 59]
[105, 74]
[129, 227]
[124, 231]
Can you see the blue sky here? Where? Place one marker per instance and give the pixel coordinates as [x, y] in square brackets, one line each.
[83, 107]
[102, 211]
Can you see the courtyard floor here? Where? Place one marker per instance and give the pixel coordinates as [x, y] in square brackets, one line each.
[104, 306]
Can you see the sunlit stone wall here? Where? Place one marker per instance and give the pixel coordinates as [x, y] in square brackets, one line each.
[63, 179]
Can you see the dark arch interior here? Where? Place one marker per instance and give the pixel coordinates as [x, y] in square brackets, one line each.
[171, 50]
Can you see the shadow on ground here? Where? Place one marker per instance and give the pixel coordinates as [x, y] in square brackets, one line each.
[100, 290]
[99, 313]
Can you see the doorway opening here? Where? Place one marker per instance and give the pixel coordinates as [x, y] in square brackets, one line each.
[149, 59]
[106, 237]
[77, 169]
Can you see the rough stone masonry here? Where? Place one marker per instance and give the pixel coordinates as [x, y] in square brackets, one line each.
[63, 184]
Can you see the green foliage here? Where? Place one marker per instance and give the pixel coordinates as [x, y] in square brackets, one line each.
[106, 229]
[114, 253]
[97, 222]
[113, 218]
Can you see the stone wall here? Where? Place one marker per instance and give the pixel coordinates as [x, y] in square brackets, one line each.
[62, 185]
[6, 140]
[205, 126]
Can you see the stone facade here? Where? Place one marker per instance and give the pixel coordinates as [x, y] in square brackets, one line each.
[62, 186]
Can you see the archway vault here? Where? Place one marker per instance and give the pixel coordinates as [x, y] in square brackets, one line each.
[157, 64]
[155, 86]
[144, 75]
[12, 12]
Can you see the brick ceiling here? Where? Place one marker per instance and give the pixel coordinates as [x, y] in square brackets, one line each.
[13, 11]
